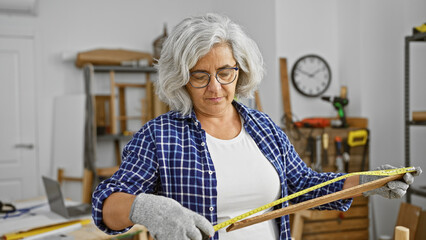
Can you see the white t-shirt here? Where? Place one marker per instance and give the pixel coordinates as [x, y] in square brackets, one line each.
[245, 180]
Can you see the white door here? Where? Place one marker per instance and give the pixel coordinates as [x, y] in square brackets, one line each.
[18, 162]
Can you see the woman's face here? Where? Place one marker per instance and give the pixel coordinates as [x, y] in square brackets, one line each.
[215, 99]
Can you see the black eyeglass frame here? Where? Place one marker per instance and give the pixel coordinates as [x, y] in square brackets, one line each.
[208, 74]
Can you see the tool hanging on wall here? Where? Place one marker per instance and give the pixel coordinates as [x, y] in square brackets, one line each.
[339, 155]
[325, 148]
[339, 104]
[364, 154]
[310, 149]
[313, 123]
[355, 138]
[392, 174]
[318, 153]
[346, 154]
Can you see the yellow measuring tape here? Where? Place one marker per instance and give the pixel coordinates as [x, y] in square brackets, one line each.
[387, 172]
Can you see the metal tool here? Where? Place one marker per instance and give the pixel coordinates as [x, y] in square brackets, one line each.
[339, 104]
[325, 148]
[339, 155]
[318, 151]
[346, 155]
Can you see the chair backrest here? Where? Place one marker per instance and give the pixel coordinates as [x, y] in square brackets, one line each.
[86, 183]
[408, 217]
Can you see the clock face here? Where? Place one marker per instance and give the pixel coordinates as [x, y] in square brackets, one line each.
[311, 75]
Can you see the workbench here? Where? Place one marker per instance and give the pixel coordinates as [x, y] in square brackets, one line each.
[329, 225]
[42, 217]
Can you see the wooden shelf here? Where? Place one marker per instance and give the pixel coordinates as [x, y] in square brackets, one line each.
[417, 123]
[125, 69]
[111, 137]
[408, 114]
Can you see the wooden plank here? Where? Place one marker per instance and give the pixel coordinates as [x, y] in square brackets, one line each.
[353, 212]
[101, 111]
[149, 99]
[285, 89]
[314, 202]
[297, 226]
[408, 216]
[128, 118]
[297, 222]
[361, 200]
[112, 103]
[421, 227]
[107, 171]
[402, 233]
[335, 225]
[357, 122]
[117, 151]
[122, 108]
[87, 186]
[133, 85]
[110, 57]
[257, 100]
[418, 116]
[346, 235]
[91, 232]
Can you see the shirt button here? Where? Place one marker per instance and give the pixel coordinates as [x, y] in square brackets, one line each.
[196, 123]
[211, 209]
[210, 172]
[203, 144]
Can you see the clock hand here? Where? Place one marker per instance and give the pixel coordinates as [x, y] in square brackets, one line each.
[306, 73]
[317, 71]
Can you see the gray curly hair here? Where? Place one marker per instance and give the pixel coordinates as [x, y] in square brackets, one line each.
[193, 38]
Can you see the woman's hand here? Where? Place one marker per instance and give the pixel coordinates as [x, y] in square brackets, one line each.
[166, 219]
[393, 189]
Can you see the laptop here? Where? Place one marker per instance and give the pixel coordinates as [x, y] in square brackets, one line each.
[57, 203]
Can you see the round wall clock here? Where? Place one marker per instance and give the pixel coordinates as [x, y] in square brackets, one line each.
[311, 75]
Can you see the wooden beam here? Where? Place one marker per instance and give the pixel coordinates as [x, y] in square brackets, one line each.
[346, 235]
[112, 103]
[285, 90]
[298, 222]
[122, 108]
[347, 193]
[257, 100]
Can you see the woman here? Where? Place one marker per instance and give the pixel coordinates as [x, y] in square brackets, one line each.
[210, 158]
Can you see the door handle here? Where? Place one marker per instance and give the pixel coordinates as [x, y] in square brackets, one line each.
[23, 145]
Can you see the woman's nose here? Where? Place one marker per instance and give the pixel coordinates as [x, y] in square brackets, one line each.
[214, 84]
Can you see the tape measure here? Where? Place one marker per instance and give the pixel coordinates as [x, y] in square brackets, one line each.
[387, 172]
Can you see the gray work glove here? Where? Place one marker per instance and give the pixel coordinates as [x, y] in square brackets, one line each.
[166, 219]
[392, 189]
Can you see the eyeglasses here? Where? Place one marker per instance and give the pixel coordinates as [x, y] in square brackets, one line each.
[224, 76]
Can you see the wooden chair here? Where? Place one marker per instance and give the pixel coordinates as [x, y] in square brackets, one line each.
[146, 103]
[413, 218]
[86, 180]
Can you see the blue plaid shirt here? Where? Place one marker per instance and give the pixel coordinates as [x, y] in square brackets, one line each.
[169, 156]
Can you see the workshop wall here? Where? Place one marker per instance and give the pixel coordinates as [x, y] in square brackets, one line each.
[309, 27]
[68, 27]
[361, 40]
[63, 28]
[364, 44]
[384, 24]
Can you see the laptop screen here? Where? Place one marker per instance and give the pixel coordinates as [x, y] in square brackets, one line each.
[54, 196]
